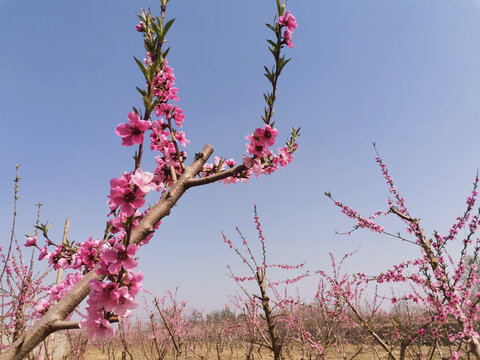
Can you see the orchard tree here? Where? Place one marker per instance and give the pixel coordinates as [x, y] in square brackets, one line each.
[443, 277]
[269, 308]
[106, 268]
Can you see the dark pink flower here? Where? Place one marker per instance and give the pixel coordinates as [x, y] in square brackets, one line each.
[287, 35]
[134, 131]
[43, 253]
[266, 135]
[256, 147]
[31, 241]
[124, 194]
[87, 254]
[288, 20]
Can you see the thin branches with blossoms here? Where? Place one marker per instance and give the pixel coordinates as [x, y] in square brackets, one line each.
[272, 308]
[22, 288]
[437, 278]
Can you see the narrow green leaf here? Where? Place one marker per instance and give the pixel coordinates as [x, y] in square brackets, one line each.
[167, 26]
[271, 42]
[141, 91]
[141, 66]
[283, 63]
[155, 28]
[165, 53]
[265, 96]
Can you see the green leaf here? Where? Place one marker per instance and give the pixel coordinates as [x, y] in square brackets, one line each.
[142, 92]
[167, 26]
[165, 53]
[266, 98]
[283, 63]
[271, 42]
[155, 28]
[141, 66]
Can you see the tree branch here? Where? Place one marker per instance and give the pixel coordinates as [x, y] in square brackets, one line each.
[220, 176]
[45, 326]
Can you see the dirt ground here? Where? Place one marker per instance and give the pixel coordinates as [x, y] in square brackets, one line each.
[97, 353]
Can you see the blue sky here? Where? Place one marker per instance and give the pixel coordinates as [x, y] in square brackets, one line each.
[404, 74]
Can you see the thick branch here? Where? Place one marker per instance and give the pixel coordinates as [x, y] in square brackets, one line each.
[45, 326]
[65, 325]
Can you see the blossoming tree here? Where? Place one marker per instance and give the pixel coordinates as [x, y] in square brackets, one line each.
[440, 277]
[105, 269]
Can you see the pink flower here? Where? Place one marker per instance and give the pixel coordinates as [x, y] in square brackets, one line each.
[103, 296]
[58, 291]
[41, 308]
[256, 147]
[288, 20]
[97, 327]
[124, 194]
[60, 258]
[179, 117]
[133, 282]
[134, 132]
[284, 156]
[180, 137]
[43, 253]
[266, 135]
[145, 181]
[117, 223]
[291, 23]
[31, 241]
[287, 35]
[87, 254]
[140, 27]
[126, 302]
[119, 257]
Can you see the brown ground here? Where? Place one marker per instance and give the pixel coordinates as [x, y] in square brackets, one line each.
[96, 353]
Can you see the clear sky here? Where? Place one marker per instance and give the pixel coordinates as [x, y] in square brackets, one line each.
[405, 74]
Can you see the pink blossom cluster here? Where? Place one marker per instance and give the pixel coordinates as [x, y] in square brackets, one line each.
[263, 160]
[362, 222]
[22, 289]
[287, 267]
[289, 21]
